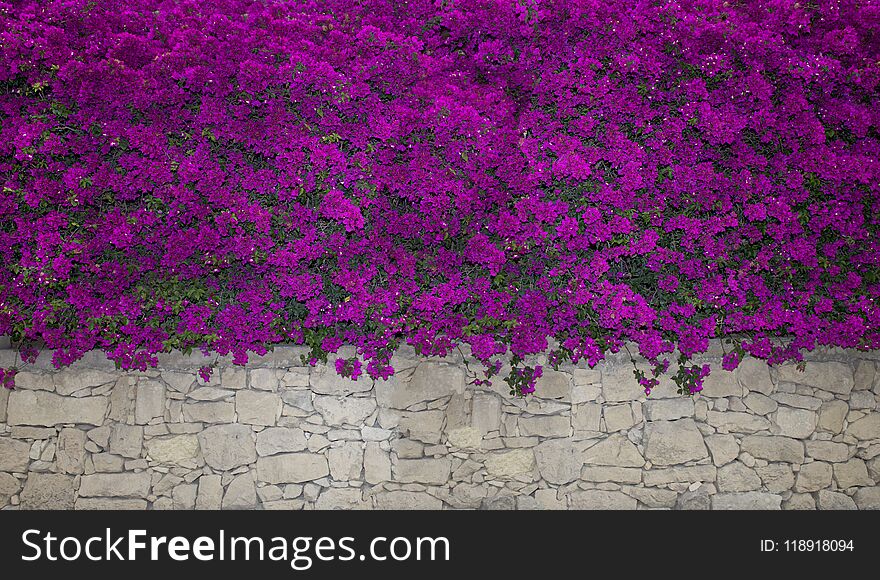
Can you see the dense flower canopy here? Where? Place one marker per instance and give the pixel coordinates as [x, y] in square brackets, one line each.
[232, 174]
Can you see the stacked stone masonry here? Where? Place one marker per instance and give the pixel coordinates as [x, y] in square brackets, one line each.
[276, 434]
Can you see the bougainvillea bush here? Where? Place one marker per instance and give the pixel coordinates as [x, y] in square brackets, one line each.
[514, 175]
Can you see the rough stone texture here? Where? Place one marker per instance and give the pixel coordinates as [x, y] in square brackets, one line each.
[834, 377]
[48, 491]
[674, 442]
[226, 447]
[49, 409]
[796, 423]
[292, 468]
[276, 435]
[750, 500]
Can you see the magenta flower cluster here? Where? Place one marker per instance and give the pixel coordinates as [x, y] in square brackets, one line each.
[514, 175]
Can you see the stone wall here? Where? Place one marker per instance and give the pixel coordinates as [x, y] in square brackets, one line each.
[279, 435]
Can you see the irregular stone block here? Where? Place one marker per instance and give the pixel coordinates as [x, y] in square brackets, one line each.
[774, 448]
[47, 491]
[510, 463]
[173, 450]
[226, 447]
[14, 455]
[49, 409]
[292, 468]
[750, 500]
[115, 485]
[829, 376]
[674, 442]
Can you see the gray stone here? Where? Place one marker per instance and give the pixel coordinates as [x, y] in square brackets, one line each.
[70, 452]
[560, 461]
[4, 400]
[276, 440]
[241, 493]
[212, 412]
[210, 495]
[851, 474]
[863, 378]
[326, 381]
[226, 447]
[292, 468]
[210, 394]
[796, 423]
[863, 400]
[115, 485]
[615, 450]
[47, 491]
[737, 477]
[832, 500]
[798, 401]
[26, 380]
[486, 414]
[337, 498]
[586, 417]
[829, 376]
[594, 499]
[553, 385]
[832, 415]
[108, 463]
[813, 477]
[49, 409]
[180, 382]
[750, 500]
[346, 462]
[800, 502]
[721, 383]
[602, 474]
[70, 381]
[510, 463]
[687, 474]
[184, 496]
[348, 410]
[866, 428]
[149, 402]
[9, 486]
[868, 498]
[257, 407]
[464, 438]
[430, 471]
[424, 426]
[723, 448]
[668, 409]
[264, 379]
[173, 450]
[776, 477]
[653, 497]
[14, 455]
[774, 448]
[126, 440]
[754, 374]
[828, 451]
[110, 503]
[377, 464]
[618, 418]
[545, 426]
[737, 422]
[430, 381]
[620, 385]
[760, 404]
[674, 442]
[696, 500]
[407, 500]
